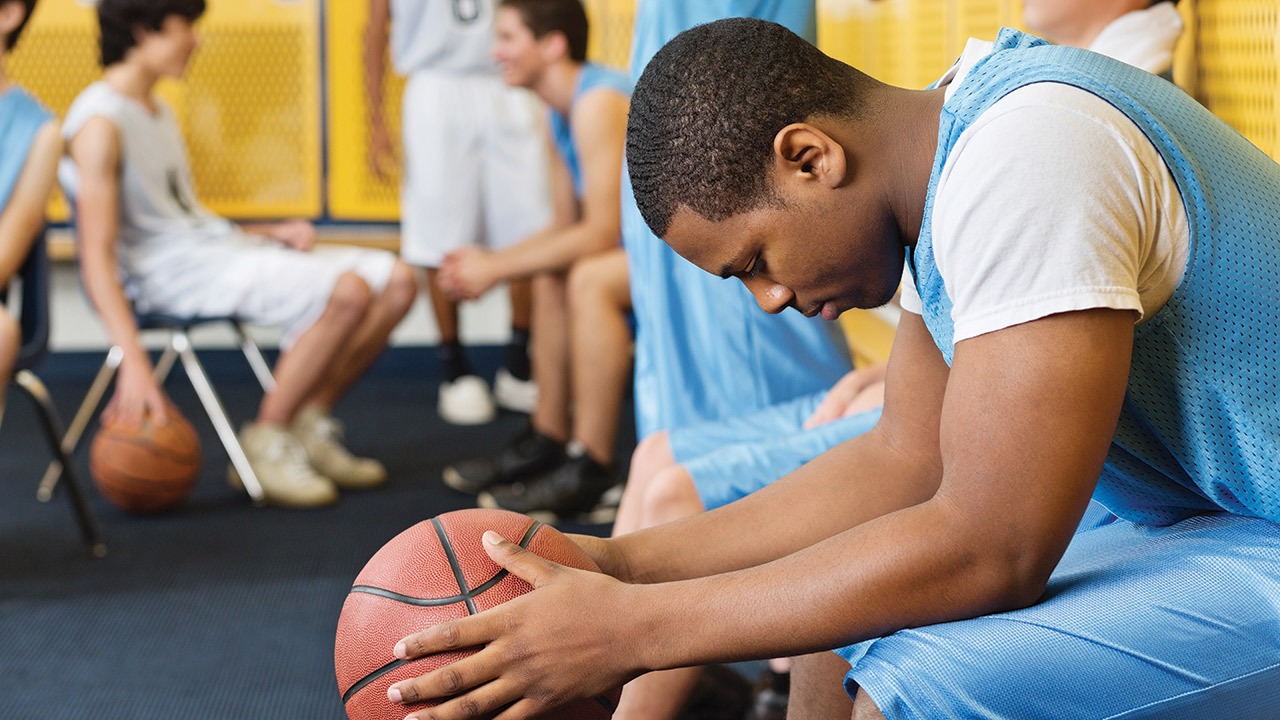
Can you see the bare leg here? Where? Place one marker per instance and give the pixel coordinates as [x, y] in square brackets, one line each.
[521, 295]
[446, 310]
[817, 688]
[599, 297]
[668, 495]
[550, 356]
[650, 457]
[10, 343]
[299, 370]
[386, 311]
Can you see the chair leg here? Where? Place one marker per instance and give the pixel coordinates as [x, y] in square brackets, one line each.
[88, 408]
[217, 415]
[28, 381]
[255, 358]
[165, 363]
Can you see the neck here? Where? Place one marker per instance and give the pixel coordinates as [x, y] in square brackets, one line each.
[556, 85]
[132, 80]
[907, 133]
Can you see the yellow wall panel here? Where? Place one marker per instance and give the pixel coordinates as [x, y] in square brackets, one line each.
[249, 107]
[610, 31]
[355, 193]
[1238, 55]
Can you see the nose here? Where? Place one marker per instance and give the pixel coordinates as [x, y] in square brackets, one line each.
[772, 297]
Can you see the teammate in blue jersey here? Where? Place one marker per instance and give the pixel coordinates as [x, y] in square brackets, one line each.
[1089, 260]
[581, 343]
[29, 151]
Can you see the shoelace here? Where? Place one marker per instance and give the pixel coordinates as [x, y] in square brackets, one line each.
[328, 428]
[281, 449]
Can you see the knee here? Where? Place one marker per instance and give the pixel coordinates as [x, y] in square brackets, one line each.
[670, 496]
[584, 283]
[652, 455]
[402, 288]
[351, 296]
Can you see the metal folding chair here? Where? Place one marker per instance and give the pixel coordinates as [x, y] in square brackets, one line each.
[33, 316]
[177, 347]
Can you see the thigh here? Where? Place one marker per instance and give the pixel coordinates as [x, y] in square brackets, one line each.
[1137, 622]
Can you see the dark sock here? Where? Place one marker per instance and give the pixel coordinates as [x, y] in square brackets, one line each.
[517, 360]
[454, 360]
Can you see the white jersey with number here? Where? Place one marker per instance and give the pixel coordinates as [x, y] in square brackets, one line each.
[446, 36]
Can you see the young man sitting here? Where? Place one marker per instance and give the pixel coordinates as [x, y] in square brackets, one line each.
[581, 348]
[146, 244]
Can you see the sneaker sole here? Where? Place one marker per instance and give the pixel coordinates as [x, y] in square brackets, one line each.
[453, 479]
[599, 515]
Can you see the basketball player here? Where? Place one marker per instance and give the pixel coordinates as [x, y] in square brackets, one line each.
[28, 162]
[564, 463]
[1087, 259]
[146, 243]
[722, 461]
[474, 172]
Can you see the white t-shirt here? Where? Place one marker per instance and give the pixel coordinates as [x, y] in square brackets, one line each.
[1052, 201]
[446, 36]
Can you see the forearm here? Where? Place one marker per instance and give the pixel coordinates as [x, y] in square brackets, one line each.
[551, 250]
[914, 567]
[100, 275]
[375, 51]
[861, 479]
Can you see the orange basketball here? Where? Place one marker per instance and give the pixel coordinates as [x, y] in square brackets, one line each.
[435, 571]
[146, 468]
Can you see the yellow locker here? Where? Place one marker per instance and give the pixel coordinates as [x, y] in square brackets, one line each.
[1237, 56]
[249, 107]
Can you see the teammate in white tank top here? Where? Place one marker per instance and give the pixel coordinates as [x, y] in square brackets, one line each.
[474, 171]
[147, 244]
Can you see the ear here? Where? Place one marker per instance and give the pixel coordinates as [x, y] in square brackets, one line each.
[11, 14]
[554, 46]
[805, 153]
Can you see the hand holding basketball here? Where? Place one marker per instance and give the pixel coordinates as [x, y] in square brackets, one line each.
[541, 650]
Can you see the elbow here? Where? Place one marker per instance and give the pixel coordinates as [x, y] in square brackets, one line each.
[1016, 573]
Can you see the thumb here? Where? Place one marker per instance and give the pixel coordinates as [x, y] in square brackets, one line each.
[518, 561]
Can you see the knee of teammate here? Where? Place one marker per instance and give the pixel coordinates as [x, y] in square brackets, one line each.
[584, 282]
[350, 297]
[652, 454]
[402, 288]
[671, 495]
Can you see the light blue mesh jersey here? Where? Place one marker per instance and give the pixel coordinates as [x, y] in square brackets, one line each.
[1200, 426]
[590, 77]
[21, 117]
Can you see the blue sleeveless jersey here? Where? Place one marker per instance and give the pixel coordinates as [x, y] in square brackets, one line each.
[590, 77]
[1200, 426]
[21, 117]
[704, 348]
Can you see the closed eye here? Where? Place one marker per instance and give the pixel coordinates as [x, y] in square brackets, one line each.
[756, 266]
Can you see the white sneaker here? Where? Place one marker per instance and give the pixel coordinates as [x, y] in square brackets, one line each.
[321, 437]
[466, 401]
[514, 394]
[282, 468]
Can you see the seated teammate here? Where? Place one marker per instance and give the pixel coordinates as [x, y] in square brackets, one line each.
[688, 470]
[1088, 260]
[29, 150]
[581, 342]
[147, 244]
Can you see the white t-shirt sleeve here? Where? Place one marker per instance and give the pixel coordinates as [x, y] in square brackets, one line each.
[1045, 207]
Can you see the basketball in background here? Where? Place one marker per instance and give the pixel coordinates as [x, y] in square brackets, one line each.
[435, 571]
[148, 467]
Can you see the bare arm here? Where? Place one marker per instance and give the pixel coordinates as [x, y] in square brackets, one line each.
[580, 229]
[97, 155]
[1021, 436]
[375, 52]
[23, 216]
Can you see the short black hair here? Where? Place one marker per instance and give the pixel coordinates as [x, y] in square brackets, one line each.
[117, 20]
[29, 6]
[548, 16]
[707, 108]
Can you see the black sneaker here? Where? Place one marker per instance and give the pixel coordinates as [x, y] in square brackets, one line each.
[721, 693]
[769, 696]
[569, 491]
[532, 453]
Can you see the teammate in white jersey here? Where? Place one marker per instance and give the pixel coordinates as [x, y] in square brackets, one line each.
[147, 245]
[474, 172]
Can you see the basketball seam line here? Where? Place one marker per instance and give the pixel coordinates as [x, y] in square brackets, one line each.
[467, 594]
